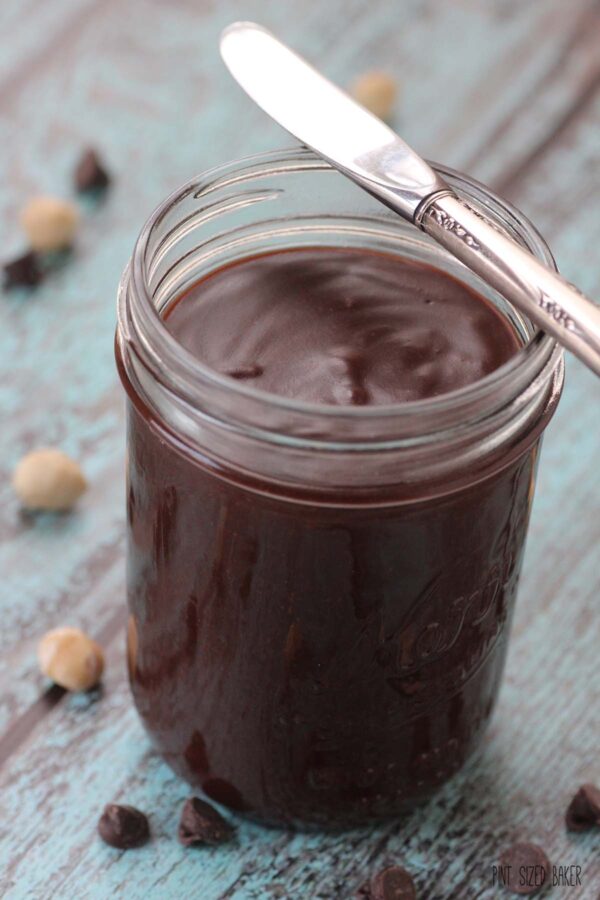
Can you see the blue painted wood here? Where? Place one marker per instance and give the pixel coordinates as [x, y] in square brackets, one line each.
[142, 81]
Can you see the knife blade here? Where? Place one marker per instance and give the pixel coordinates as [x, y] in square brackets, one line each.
[326, 119]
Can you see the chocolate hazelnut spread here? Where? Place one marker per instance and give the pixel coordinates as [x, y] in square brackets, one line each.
[309, 662]
[342, 327]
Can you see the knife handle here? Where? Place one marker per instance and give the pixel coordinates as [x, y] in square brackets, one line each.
[550, 301]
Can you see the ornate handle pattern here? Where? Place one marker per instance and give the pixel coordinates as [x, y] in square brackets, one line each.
[550, 301]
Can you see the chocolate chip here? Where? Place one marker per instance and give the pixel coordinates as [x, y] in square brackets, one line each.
[24, 271]
[200, 823]
[90, 174]
[584, 809]
[393, 883]
[123, 826]
[525, 868]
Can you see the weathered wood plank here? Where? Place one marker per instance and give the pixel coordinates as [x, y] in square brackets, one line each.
[144, 81]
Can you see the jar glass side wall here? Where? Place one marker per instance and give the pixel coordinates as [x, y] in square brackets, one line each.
[316, 666]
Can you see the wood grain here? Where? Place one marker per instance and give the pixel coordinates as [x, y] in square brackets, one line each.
[509, 90]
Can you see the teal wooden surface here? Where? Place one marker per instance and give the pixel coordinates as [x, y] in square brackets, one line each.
[509, 91]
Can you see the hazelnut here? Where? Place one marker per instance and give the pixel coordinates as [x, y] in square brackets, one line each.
[71, 659]
[49, 223]
[377, 92]
[48, 479]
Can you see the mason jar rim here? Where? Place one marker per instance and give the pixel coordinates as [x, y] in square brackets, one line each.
[540, 355]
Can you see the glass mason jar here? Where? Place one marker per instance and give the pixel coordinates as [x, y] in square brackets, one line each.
[320, 597]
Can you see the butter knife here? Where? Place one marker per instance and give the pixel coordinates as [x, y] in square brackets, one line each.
[365, 149]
